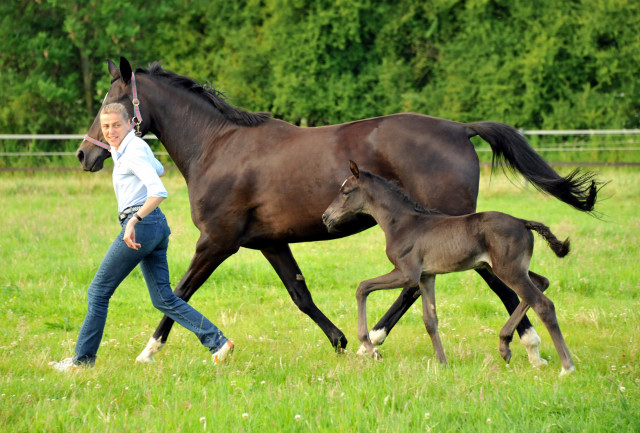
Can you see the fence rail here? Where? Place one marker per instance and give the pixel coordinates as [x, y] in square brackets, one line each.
[626, 144]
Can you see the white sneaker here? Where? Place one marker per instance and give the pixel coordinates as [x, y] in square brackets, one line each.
[64, 365]
[221, 354]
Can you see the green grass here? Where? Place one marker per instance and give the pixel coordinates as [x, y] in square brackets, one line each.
[57, 226]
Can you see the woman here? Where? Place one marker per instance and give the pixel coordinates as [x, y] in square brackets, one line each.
[144, 239]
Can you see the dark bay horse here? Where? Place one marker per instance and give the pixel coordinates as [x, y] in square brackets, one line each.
[423, 243]
[244, 191]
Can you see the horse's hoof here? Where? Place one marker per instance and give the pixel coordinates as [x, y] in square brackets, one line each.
[506, 354]
[341, 350]
[153, 346]
[531, 342]
[376, 355]
[567, 371]
[362, 351]
[539, 362]
[144, 359]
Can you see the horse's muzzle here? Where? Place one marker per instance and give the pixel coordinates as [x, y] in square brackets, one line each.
[328, 222]
[89, 163]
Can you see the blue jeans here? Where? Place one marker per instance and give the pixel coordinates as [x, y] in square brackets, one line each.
[153, 234]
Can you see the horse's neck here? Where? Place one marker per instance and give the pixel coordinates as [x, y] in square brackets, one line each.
[184, 136]
[388, 209]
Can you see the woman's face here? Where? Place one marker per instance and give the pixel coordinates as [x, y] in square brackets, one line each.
[114, 128]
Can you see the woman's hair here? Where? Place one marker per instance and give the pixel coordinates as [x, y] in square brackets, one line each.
[115, 107]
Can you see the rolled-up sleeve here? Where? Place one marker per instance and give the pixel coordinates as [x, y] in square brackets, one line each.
[147, 168]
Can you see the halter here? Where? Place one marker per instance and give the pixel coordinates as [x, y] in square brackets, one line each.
[136, 120]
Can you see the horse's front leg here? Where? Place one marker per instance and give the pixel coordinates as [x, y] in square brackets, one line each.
[392, 280]
[528, 335]
[206, 259]
[429, 315]
[381, 330]
[283, 262]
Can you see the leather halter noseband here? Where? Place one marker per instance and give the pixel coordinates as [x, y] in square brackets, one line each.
[136, 120]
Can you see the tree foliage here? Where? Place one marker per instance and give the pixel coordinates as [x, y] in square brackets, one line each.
[543, 64]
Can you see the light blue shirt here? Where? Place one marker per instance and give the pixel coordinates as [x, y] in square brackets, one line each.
[136, 173]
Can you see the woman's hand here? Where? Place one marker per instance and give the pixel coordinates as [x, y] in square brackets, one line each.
[129, 237]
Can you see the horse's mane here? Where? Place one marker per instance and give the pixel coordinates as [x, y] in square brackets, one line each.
[399, 193]
[208, 93]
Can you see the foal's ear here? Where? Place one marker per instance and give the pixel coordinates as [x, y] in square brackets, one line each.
[113, 69]
[125, 70]
[354, 169]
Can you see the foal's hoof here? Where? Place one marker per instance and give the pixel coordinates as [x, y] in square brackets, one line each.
[506, 354]
[567, 371]
[376, 355]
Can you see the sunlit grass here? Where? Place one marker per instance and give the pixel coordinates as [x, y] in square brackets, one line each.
[284, 375]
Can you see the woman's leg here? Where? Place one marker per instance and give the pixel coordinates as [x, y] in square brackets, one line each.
[156, 274]
[117, 263]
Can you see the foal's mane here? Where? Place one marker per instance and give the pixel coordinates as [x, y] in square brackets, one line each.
[210, 94]
[399, 193]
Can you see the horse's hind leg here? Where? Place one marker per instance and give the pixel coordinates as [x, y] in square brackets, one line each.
[287, 269]
[544, 308]
[528, 335]
[203, 263]
[429, 315]
[530, 340]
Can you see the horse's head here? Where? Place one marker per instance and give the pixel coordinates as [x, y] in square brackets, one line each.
[93, 150]
[348, 205]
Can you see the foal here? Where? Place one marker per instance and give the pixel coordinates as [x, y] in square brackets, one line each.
[422, 243]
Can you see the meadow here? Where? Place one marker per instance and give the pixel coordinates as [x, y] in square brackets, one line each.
[284, 375]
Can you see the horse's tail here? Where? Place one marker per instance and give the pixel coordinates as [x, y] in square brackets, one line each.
[560, 248]
[510, 147]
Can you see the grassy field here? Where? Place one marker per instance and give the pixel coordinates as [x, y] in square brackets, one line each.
[284, 376]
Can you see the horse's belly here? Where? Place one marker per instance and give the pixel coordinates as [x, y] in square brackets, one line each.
[446, 263]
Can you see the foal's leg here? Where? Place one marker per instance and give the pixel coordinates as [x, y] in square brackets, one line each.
[528, 335]
[428, 290]
[531, 341]
[206, 259]
[545, 309]
[392, 280]
[379, 332]
[287, 269]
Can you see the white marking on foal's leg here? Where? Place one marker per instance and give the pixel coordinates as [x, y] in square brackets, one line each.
[377, 337]
[531, 342]
[153, 346]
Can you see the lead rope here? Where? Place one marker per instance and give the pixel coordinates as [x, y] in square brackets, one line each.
[136, 120]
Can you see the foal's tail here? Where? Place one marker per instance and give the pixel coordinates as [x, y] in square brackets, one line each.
[510, 147]
[561, 249]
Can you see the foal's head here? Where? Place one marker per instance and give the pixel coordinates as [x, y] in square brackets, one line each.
[349, 203]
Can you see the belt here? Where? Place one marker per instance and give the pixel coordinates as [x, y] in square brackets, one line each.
[128, 211]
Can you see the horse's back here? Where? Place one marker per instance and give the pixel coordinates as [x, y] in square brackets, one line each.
[281, 177]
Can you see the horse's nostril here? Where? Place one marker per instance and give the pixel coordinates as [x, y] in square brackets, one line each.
[80, 156]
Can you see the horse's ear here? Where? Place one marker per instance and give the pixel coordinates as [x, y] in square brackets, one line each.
[354, 169]
[125, 70]
[113, 69]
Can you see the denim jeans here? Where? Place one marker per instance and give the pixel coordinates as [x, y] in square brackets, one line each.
[153, 235]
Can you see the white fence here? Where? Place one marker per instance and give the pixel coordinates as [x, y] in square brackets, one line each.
[628, 140]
